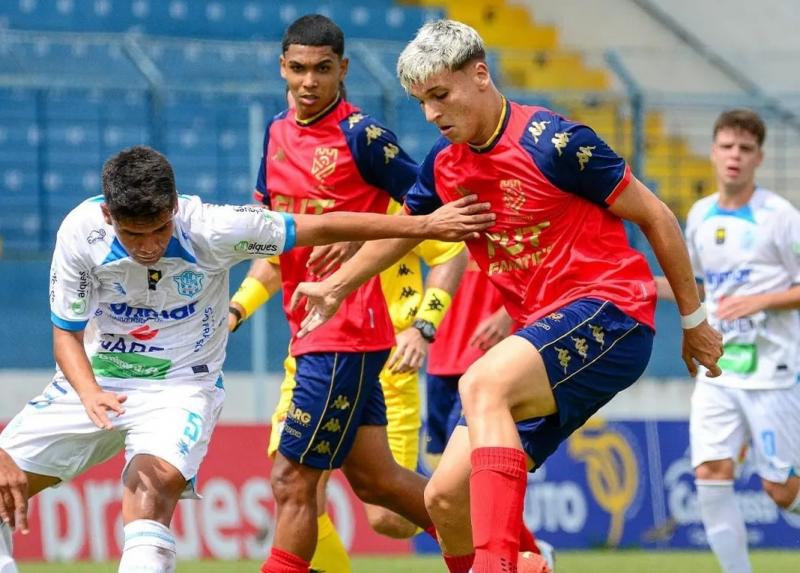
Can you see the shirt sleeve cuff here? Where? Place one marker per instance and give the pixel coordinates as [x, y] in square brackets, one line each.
[620, 187]
[71, 325]
[291, 231]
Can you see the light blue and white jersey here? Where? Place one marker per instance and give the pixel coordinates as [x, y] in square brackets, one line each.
[752, 250]
[164, 323]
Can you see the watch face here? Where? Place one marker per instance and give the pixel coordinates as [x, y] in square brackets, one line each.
[425, 328]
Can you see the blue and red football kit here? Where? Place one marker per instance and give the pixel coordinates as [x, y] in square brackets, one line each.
[339, 160]
[558, 257]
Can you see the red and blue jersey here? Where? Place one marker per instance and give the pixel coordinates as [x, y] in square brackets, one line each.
[550, 182]
[339, 160]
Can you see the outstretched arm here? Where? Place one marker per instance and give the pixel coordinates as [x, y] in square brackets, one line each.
[262, 281]
[456, 221]
[13, 494]
[638, 204]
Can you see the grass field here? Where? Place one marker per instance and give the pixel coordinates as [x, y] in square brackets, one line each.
[568, 562]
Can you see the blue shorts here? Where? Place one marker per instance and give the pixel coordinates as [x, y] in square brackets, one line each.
[444, 411]
[335, 394]
[591, 350]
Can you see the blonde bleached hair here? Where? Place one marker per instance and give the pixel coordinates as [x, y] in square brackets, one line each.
[438, 46]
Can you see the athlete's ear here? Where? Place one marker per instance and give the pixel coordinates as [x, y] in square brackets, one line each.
[480, 75]
[283, 67]
[106, 213]
[344, 65]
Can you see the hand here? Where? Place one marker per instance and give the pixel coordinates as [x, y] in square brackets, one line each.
[325, 258]
[702, 344]
[410, 352]
[492, 330]
[13, 494]
[98, 403]
[733, 307]
[321, 304]
[459, 220]
[234, 321]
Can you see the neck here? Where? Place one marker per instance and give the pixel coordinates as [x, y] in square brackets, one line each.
[495, 107]
[735, 197]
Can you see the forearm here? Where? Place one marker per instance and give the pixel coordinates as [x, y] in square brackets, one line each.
[371, 259]
[665, 237]
[345, 226]
[72, 360]
[447, 275]
[267, 273]
[784, 300]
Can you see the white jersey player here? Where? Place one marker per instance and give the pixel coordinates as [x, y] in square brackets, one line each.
[138, 298]
[744, 242]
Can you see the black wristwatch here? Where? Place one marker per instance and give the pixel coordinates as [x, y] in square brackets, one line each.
[239, 319]
[426, 329]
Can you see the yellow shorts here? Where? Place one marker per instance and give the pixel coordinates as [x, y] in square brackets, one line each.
[401, 393]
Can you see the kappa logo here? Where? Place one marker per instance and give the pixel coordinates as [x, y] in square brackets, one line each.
[324, 162]
[144, 332]
[189, 283]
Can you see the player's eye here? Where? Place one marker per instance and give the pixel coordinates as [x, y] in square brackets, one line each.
[441, 96]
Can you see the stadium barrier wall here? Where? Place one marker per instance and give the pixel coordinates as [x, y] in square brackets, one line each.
[623, 483]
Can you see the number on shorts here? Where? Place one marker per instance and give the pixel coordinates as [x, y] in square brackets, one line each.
[768, 441]
[192, 429]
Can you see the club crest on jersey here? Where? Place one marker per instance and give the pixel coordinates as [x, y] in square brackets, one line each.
[189, 283]
[719, 235]
[324, 162]
[513, 197]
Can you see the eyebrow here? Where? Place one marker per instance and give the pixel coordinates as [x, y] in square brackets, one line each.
[296, 63]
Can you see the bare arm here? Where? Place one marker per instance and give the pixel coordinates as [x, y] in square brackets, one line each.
[664, 291]
[638, 204]
[71, 358]
[456, 221]
[733, 307]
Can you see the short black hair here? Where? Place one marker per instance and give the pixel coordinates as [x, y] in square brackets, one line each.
[138, 183]
[314, 30]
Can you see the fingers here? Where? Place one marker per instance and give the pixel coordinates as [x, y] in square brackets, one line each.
[20, 517]
[713, 369]
[297, 296]
[6, 507]
[312, 320]
[690, 365]
[99, 418]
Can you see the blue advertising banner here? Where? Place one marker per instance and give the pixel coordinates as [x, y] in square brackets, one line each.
[630, 484]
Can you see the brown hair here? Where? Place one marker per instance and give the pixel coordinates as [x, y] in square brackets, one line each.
[744, 119]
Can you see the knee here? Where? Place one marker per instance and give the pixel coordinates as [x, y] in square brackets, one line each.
[781, 493]
[715, 470]
[470, 388]
[440, 501]
[374, 490]
[389, 524]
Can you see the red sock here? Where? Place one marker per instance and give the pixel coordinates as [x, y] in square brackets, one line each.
[527, 540]
[284, 562]
[497, 492]
[460, 563]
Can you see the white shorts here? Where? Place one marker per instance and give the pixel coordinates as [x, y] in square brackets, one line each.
[724, 419]
[53, 435]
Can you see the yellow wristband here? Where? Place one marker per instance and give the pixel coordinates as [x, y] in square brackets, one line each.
[433, 306]
[251, 294]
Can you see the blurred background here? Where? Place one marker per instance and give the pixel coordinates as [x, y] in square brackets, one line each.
[198, 79]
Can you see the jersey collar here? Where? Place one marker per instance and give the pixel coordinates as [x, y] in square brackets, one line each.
[320, 115]
[498, 131]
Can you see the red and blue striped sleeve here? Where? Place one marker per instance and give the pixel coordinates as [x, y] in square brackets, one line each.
[261, 195]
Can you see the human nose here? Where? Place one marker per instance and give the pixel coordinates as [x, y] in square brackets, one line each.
[431, 113]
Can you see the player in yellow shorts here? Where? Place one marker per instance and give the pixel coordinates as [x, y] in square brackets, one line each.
[416, 311]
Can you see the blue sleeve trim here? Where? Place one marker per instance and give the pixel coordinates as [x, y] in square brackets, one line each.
[422, 198]
[380, 160]
[72, 326]
[573, 157]
[291, 231]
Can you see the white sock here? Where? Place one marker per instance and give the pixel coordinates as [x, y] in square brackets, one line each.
[724, 524]
[149, 548]
[6, 562]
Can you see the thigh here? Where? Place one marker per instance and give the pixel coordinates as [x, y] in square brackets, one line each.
[401, 394]
[54, 437]
[590, 351]
[279, 415]
[773, 417]
[369, 457]
[336, 393]
[717, 428]
[174, 425]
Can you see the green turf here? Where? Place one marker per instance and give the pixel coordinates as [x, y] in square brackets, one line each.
[568, 562]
